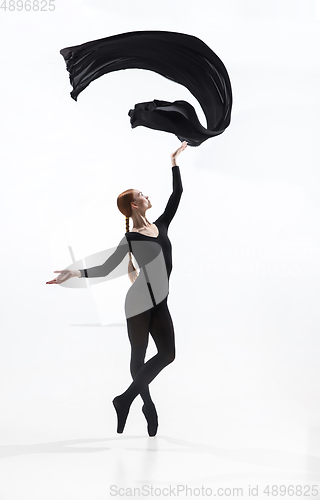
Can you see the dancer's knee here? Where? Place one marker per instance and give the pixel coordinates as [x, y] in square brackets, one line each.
[170, 356]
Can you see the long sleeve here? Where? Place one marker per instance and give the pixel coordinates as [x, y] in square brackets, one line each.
[110, 264]
[174, 199]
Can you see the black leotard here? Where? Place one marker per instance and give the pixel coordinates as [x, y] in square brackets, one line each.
[153, 254]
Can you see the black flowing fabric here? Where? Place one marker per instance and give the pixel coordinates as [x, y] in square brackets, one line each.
[183, 58]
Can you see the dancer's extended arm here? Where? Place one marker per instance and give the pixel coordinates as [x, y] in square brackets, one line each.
[109, 265]
[175, 197]
[97, 271]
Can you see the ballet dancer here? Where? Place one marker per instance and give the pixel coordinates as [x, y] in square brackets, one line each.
[155, 318]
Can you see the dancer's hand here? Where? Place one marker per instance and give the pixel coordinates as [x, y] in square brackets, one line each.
[174, 155]
[65, 275]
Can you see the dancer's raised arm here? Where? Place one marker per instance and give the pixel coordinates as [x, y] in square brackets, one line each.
[175, 197]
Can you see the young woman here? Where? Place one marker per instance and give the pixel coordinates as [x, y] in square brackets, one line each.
[146, 301]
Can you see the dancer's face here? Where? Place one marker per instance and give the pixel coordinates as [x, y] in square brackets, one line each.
[142, 201]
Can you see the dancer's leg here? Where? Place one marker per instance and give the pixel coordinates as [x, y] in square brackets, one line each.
[138, 333]
[162, 331]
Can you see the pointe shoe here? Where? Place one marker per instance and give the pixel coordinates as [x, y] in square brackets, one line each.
[152, 419]
[122, 413]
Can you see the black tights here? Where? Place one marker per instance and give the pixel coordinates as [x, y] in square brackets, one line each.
[158, 322]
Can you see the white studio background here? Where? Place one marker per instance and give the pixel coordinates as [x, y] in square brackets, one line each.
[240, 404]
